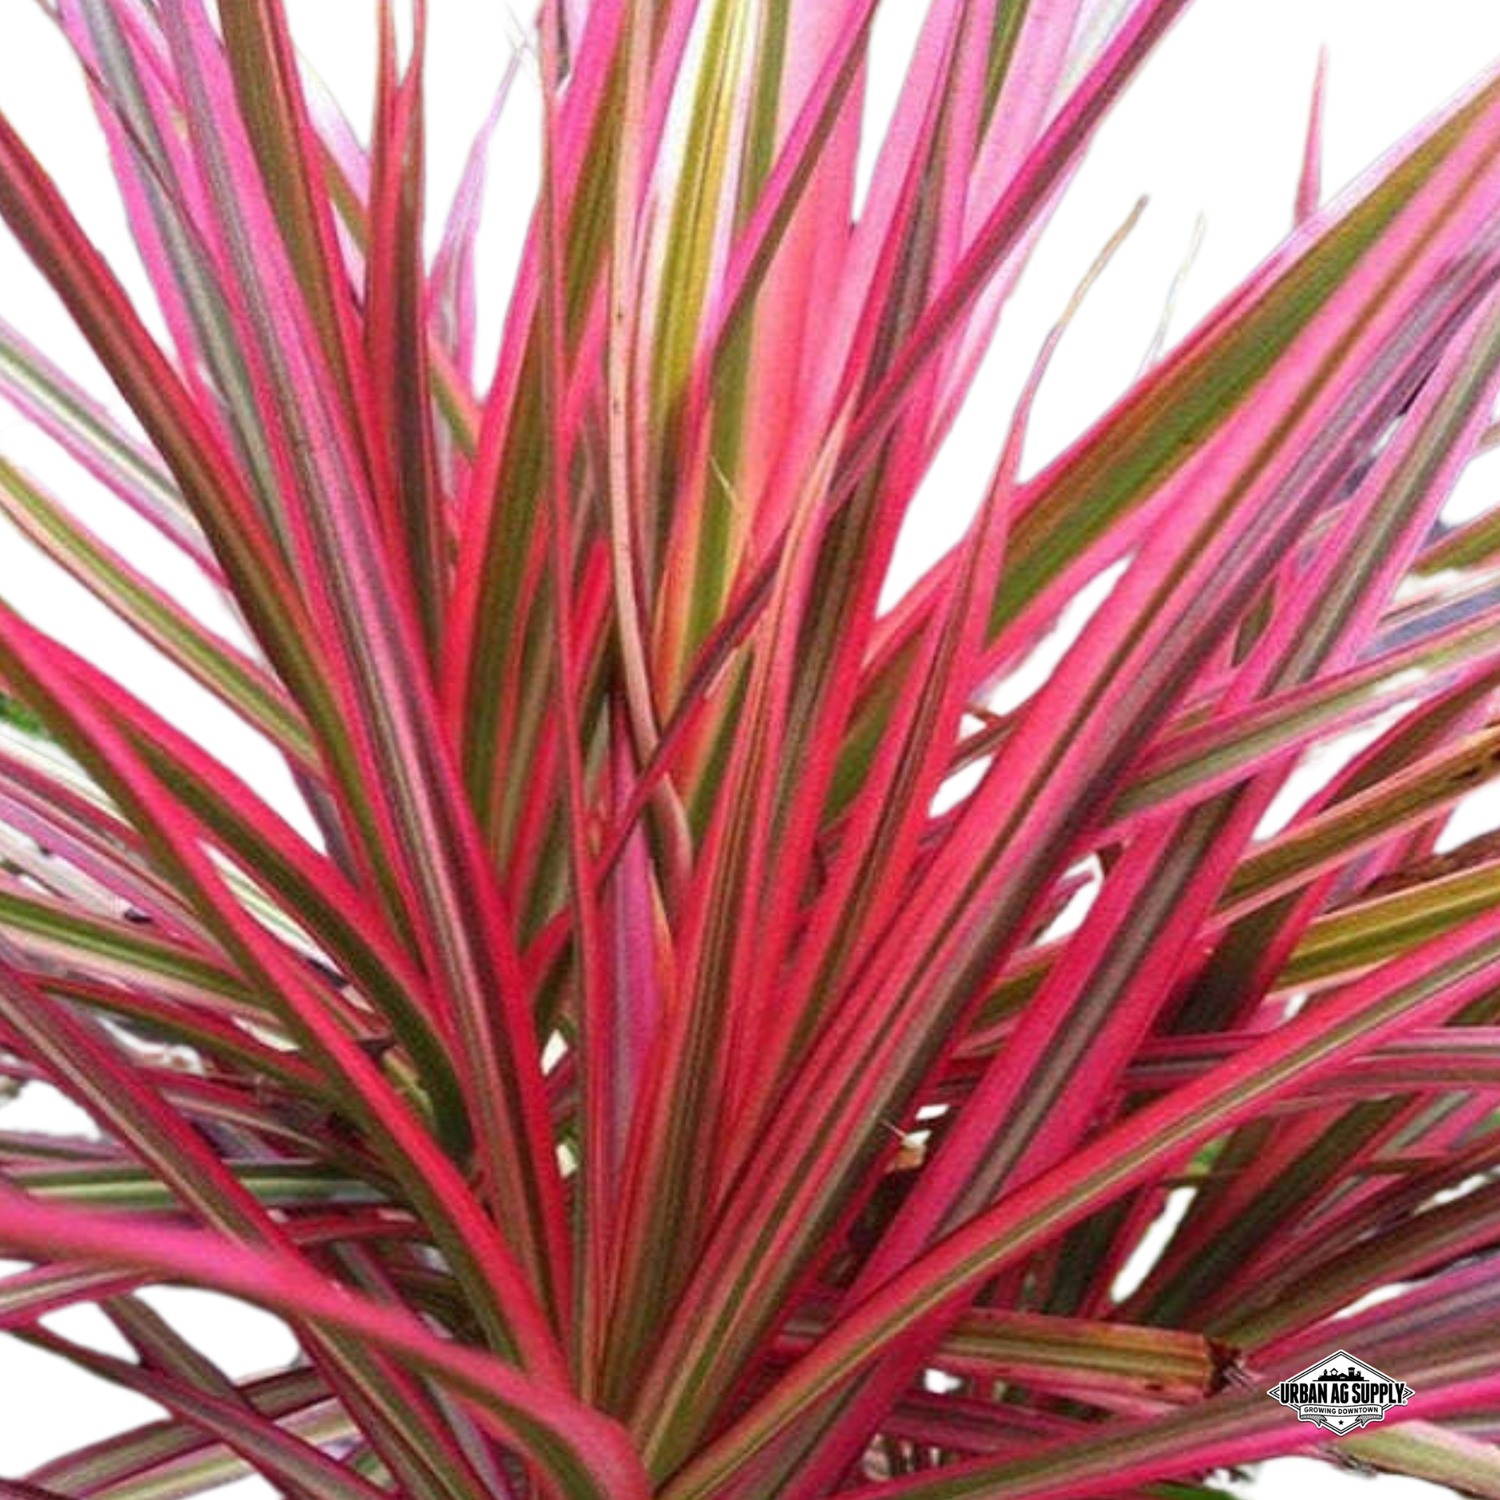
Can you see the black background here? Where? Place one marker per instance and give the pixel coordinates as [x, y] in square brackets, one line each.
[1215, 122]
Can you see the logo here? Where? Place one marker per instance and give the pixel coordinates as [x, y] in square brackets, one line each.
[1341, 1393]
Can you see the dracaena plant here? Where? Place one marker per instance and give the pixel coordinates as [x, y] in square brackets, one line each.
[703, 1046]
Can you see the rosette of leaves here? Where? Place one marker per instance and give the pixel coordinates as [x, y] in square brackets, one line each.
[704, 1048]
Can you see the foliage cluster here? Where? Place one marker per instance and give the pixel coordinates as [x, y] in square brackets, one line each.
[707, 1051]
